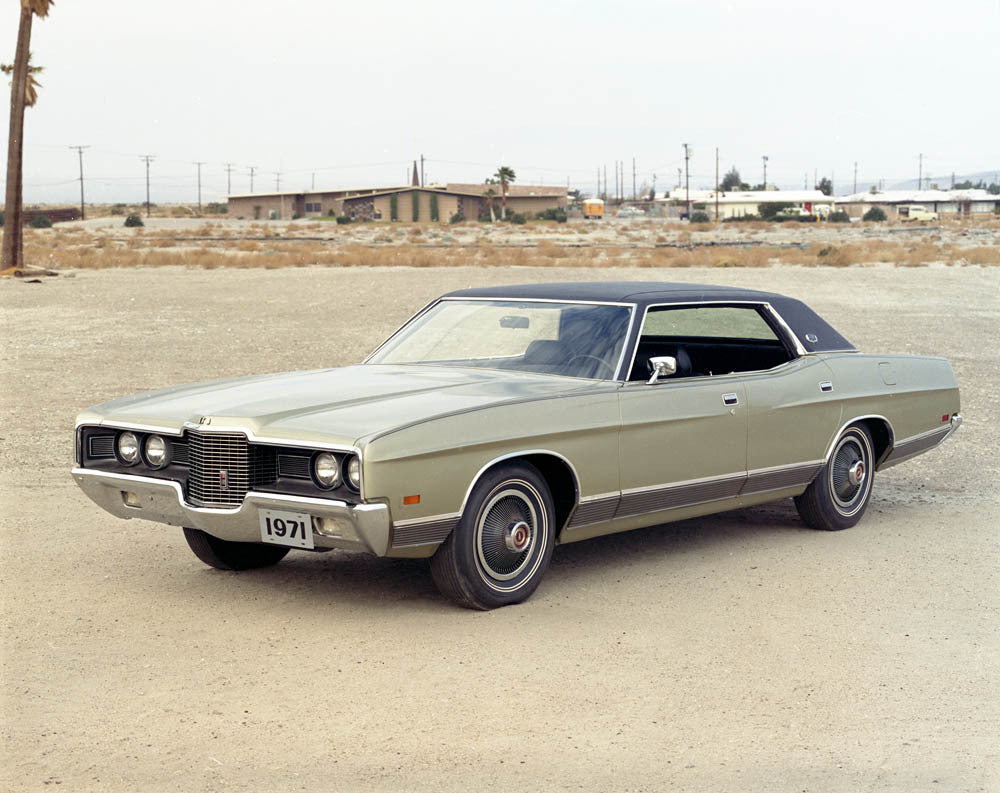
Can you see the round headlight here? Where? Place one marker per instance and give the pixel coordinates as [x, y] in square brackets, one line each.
[354, 472]
[156, 451]
[128, 448]
[326, 470]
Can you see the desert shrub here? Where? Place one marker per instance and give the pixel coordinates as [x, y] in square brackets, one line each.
[40, 222]
[416, 205]
[875, 214]
[435, 215]
[518, 218]
[458, 217]
[394, 207]
[217, 208]
[296, 216]
[700, 217]
[741, 219]
[343, 220]
[117, 209]
[330, 213]
[134, 221]
[553, 213]
[840, 216]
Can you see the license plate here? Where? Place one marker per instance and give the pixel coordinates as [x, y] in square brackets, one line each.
[279, 527]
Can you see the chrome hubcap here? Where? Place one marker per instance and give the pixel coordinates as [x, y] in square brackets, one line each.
[856, 473]
[517, 536]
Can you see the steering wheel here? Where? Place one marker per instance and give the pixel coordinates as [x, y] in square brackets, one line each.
[601, 363]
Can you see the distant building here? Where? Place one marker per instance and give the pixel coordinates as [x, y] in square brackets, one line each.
[970, 202]
[737, 203]
[375, 204]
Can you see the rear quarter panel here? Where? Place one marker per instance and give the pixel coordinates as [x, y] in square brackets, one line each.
[912, 392]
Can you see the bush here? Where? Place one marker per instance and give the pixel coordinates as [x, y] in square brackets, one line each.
[700, 217]
[553, 213]
[741, 219]
[217, 208]
[133, 221]
[343, 220]
[771, 208]
[458, 217]
[875, 213]
[840, 216]
[518, 218]
[435, 215]
[117, 209]
[394, 207]
[416, 205]
[40, 222]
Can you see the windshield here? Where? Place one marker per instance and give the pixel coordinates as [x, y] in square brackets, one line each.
[568, 339]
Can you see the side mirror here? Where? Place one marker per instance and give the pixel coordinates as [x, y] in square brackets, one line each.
[663, 366]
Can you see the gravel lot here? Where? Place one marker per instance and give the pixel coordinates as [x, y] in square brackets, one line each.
[740, 652]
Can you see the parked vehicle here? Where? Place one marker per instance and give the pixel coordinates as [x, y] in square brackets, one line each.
[593, 208]
[915, 212]
[499, 422]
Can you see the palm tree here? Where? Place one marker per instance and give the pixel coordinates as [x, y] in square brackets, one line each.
[488, 195]
[23, 93]
[505, 176]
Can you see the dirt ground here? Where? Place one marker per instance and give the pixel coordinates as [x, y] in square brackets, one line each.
[740, 652]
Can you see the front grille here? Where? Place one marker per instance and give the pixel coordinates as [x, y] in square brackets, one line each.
[223, 467]
[100, 447]
[295, 466]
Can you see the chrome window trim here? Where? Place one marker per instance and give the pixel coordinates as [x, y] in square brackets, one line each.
[799, 350]
[632, 306]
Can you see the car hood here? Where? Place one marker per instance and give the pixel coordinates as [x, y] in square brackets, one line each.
[331, 405]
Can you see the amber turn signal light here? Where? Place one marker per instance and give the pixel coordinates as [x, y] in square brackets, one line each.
[409, 501]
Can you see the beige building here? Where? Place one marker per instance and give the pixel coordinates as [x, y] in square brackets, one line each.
[412, 203]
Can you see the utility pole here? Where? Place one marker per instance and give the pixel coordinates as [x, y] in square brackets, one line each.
[952, 180]
[687, 180]
[616, 180]
[83, 216]
[199, 164]
[605, 193]
[920, 173]
[680, 181]
[252, 169]
[716, 184]
[281, 198]
[229, 178]
[598, 195]
[764, 158]
[277, 181]
[313, 184]
[422, 182]
[148, 158]
[855, 190]
[805, 180]
[633, 179]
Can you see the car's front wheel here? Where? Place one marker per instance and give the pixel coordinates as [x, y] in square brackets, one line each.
[499, 551]
[839, 496]
[228, 555]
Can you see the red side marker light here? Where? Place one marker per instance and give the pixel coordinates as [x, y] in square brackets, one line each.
[945, 418]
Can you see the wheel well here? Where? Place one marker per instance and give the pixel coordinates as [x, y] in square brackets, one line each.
[881, 437]
[559, 476]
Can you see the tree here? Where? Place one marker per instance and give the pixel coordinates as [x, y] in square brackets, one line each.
[825, 186]
[732, 181]
[23, 93]
[488, 195]
[505, 176]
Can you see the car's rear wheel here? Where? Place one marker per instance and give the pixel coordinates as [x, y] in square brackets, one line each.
[839, 496]
[499, 551]
[228, 555]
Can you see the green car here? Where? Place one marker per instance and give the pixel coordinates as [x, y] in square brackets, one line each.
[498, 422]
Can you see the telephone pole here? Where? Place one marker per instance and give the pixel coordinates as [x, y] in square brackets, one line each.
[199, 164]
[764, 158]
[855, 177]
[687, 180]
[422, 183]
[920, 173]
[277, 181]
[148, 159]
[605, 193]
[633, 179]
[716, 184]
[252, 169]
[79, 151]
[229, 178]
[616, 180]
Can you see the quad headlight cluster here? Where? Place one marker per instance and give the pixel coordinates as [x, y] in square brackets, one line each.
[153, 450]
[329, 471]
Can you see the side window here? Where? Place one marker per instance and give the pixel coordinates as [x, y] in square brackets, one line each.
[708, 341]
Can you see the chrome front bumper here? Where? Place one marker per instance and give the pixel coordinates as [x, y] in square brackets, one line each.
[336, 524]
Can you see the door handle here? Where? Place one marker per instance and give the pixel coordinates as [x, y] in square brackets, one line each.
[730, 399]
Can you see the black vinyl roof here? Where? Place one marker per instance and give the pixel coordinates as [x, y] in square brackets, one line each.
[814, 333]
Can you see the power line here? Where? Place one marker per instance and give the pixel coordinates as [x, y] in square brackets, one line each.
[79, 151]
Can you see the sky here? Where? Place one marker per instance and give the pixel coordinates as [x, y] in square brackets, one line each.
[341, 94]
